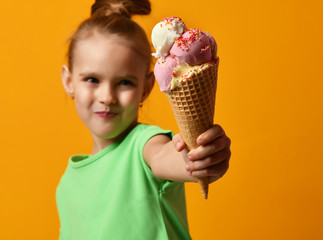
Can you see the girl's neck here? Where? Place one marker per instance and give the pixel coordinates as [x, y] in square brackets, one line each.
[101, 143]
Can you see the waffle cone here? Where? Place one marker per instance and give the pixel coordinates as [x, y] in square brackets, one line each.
[193, 106]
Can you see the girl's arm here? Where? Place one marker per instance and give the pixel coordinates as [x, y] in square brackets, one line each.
[169, 159]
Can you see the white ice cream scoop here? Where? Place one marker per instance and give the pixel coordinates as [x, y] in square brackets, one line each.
[164, 35]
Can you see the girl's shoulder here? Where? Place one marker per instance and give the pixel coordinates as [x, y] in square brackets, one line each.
[146, 130]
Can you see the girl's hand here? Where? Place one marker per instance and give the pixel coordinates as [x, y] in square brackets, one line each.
[210, 158]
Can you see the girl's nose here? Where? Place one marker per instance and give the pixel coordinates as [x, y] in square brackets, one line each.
[107, 96]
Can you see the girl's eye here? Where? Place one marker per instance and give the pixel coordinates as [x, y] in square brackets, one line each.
[126, 82]
[92, 80]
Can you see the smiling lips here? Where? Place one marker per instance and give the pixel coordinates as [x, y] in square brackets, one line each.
[106, 115]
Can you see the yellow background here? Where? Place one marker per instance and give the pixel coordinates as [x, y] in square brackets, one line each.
[269, 101]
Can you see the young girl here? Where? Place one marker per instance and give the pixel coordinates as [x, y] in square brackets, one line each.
[131, 186]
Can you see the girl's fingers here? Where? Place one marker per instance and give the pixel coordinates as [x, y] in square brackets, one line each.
[178, 142]
[180, 146]
[209, 161]
[209, 135]
[209, 149]
[214, 172]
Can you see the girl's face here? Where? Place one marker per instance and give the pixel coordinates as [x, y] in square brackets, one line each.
[107, 83]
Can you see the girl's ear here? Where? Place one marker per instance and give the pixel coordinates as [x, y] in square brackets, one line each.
[148, 86]
[67, 81]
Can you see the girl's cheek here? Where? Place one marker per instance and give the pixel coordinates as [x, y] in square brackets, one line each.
[129, 98]
[83, 96]
[85, 91]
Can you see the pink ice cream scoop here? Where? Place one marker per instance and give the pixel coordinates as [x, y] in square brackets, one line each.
[164, 69]
[194, 47]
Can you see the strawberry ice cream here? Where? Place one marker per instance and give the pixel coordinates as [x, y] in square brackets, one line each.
[194, 47]
[164, 71]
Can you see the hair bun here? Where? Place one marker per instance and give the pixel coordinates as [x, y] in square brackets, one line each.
[126, 8]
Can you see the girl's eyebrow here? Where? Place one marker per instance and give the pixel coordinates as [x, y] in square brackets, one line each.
[130, 77]
[87, 74]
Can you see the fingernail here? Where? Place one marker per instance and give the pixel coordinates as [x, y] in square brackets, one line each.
[187, 167]
[178, 145]
[189, 157]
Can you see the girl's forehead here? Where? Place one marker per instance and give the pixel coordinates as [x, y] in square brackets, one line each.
[95, 43]
[108, 54]
[99, 44]
[95, 37]
[103, 45]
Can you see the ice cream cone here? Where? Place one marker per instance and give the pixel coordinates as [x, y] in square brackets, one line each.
[193, 105]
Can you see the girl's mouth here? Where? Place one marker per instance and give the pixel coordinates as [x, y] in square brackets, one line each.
[106, 115]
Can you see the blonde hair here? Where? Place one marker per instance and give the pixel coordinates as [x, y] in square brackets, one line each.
[113, 17]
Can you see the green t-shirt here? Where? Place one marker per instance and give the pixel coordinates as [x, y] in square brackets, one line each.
[115, 195]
